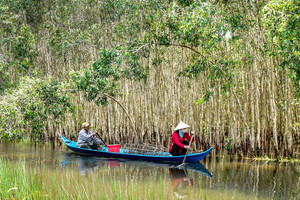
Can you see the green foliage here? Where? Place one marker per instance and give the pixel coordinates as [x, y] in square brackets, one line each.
[101, 78]
[195, 25]
[195, 69]
[26, 109]
[63, 40]
[31, 11]
[205, 29]
[56, 101]
[219, 72]
[282, 21]
[66, 35]
[32, 111]
[4, 78]
[16, 36]
[228, 144]
[185, 2]
[7, 20]
[8, 23]
[23, 49]
[199, 101]
[191, 25]
[12, 118]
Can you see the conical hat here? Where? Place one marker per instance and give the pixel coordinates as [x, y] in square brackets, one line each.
[181, 125]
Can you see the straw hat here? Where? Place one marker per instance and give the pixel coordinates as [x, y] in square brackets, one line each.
[181, 125]
[85, 124]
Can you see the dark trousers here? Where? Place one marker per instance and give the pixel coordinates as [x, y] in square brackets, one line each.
[93, 146]
[177, 151]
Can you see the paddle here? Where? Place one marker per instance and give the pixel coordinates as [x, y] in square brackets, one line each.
[183, 162]
[101, 139]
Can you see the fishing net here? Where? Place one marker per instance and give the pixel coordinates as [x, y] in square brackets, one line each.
[145, 149]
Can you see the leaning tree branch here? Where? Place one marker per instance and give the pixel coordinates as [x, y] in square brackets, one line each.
[125, 110]
[178, 45]
[192, 49]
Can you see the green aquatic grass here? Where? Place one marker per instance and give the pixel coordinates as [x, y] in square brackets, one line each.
[17, 182]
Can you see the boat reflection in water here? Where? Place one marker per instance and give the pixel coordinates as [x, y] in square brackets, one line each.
[178, 176]
[86, 164]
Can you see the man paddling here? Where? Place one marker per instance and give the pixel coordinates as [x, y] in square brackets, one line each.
[180, 140]
[87, 139]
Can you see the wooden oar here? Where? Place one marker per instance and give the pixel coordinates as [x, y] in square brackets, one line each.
[183, 162]
[101, 139]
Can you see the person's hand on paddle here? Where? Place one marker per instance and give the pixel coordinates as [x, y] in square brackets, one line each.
[94, 133]
[187, 147]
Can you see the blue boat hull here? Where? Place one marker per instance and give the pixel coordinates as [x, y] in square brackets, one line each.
[194, 157]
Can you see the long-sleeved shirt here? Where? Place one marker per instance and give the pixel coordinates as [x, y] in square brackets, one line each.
[87, 138]
[178, 140]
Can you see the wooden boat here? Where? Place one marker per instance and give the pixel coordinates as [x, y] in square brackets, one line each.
[163, 156]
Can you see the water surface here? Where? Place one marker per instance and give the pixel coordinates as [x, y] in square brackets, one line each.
[212, 178]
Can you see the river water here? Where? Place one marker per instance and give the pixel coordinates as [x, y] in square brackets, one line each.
[213, 177]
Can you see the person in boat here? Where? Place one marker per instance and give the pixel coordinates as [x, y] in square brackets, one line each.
[87, 139]
[180, 140]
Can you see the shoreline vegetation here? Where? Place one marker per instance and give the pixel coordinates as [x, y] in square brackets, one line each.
[229, 69]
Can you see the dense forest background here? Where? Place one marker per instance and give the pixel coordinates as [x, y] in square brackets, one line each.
[135, 68]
